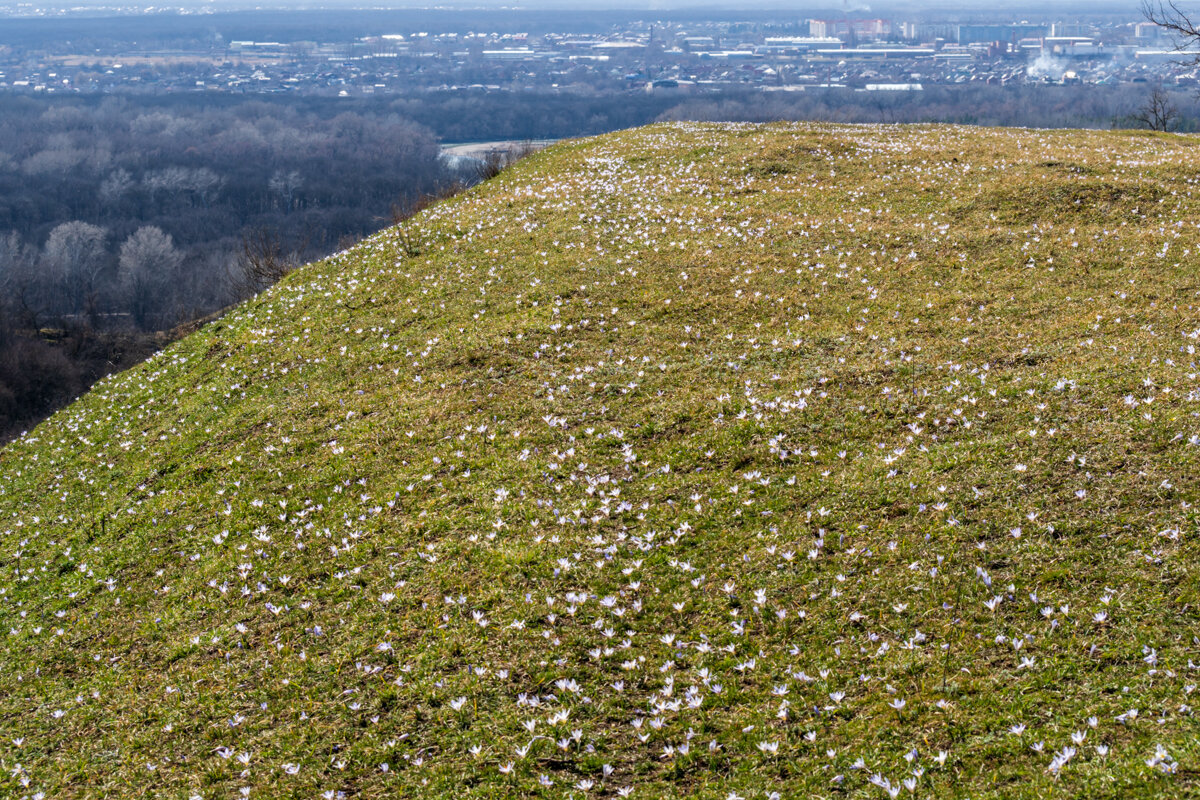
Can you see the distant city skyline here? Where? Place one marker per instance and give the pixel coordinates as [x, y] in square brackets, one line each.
[992, 7]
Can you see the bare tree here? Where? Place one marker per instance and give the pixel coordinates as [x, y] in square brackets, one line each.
[76, 254]
[148, 262]
[171, 181]
[18, 280]
[181, 183]
[1174, 20]
[501, 157]
[118, 184]
[261, 263]
[1158, 113]
[286, 184]
[490, 164]
[204, 184]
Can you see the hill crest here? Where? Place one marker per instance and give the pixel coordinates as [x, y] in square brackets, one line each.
[689, 460]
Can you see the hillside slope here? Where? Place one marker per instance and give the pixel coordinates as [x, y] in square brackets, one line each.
[695, 460]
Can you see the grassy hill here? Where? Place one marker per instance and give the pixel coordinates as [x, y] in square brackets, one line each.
[694, 460]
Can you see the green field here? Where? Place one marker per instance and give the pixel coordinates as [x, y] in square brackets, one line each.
[695, 460]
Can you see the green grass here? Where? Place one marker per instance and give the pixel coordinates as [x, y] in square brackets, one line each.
[725, 432]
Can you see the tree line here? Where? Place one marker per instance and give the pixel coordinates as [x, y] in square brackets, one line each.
[121, 220]
[171, 190]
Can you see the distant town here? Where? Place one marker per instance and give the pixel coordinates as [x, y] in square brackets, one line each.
[656, 56]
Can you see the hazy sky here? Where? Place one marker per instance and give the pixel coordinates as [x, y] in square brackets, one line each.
[800, 7]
